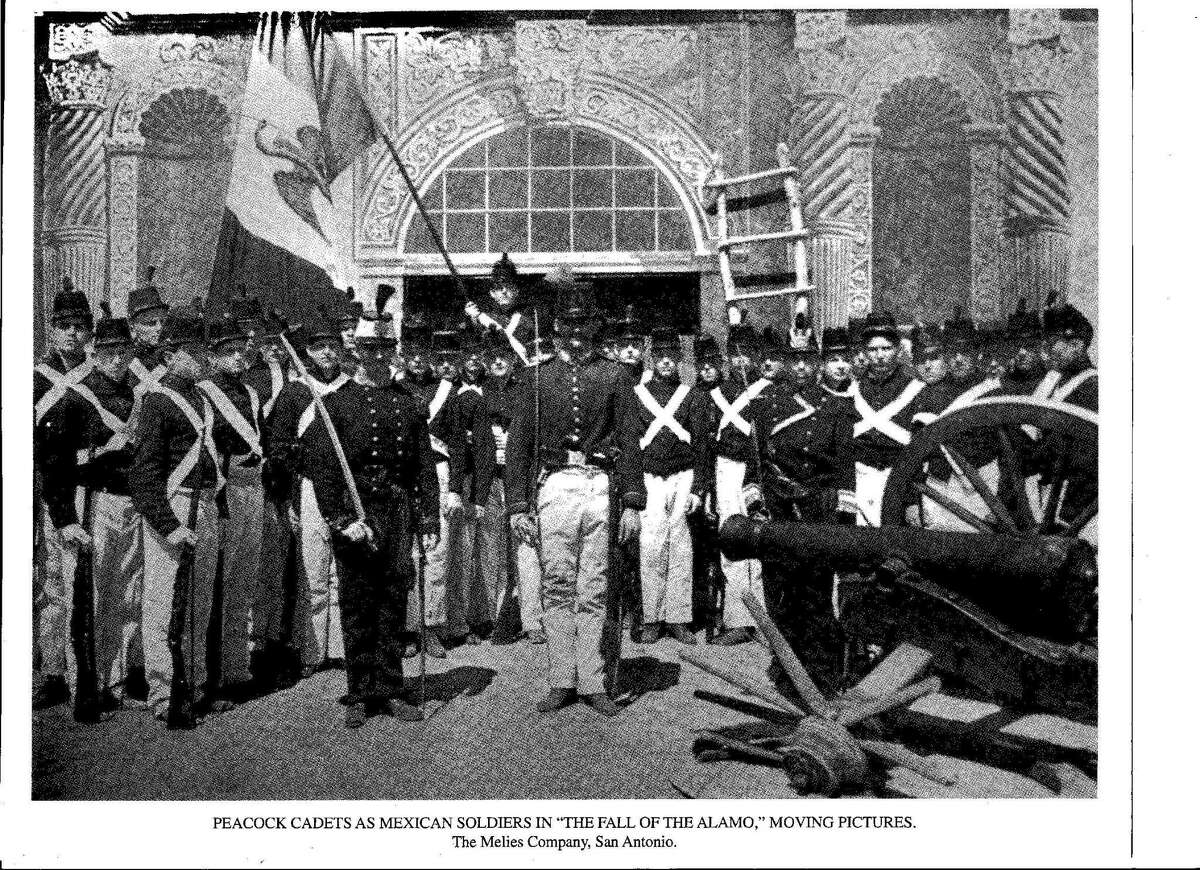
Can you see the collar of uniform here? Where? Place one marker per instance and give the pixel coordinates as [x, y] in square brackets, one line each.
[833, 391]
[1085, 363]
[671, 382]
[893, 375]
[97, 376]
[226, 381]
[322, 378]
[579, 360]
[178, 384]
[146, 355]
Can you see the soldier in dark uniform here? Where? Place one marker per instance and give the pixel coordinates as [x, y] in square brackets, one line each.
[95, 455]
[706, 563]
[173, 480]
[804, 363]
[237, 432]
[674, 421]
[560, 475]
[885, 401]
[506, 312]
[383, 434]
[624, 563]
[631, 346]
[293, 428]
[147, 314]
[351, 312]
[737, 475]
[1025, 369]
[1068, 337]
[63, 366]
[929, 357]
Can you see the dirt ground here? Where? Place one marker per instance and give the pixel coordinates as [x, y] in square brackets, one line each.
[487, 742]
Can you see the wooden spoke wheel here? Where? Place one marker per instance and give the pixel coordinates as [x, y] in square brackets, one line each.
[1010, 465]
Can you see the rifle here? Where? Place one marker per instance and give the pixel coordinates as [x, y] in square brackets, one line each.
[714, 578]
[179, 713]
[83, 625]
[421, 562]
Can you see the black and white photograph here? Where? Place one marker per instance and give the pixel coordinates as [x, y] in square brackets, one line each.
[543, 405]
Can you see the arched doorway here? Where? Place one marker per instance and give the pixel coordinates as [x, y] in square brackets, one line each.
[921, 202]
[549, 194]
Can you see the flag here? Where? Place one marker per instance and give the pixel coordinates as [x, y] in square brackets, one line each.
[303, 122]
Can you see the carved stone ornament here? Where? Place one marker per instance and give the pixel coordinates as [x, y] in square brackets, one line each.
[817, 30]
[70, 40]
[179, 47]
[436, 65]
[78, 84]
[643, 55]
[549, 56]
[1047, 65]
[193, 74]
[1033, 25]
[379, 75]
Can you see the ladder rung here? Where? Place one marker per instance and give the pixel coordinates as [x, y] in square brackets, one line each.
[762, 237]
[759, 294]
[753, 176]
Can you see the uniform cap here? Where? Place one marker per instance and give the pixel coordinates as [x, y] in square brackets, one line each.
[111, 331]
[664, 339]
[835, 339]
[880, 324]
[706, 349]
[377, 327]
[69, 303]
[225, 328]
[1067, 321]
[503, 271]
[146, 297]
[574, 299]
[184, 325]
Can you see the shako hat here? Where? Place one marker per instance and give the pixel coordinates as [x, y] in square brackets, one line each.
[224, 328]
[1023, 324]
[629, 327]
[927, 341]
[706, 349]
[1066, 321]
[319, 326]
[111, 331]
[145, 298]
[835, 339]
[445, 343]
[743, 340]
[184, 325]
[377, 327]
[70, 304]
[880, 324]
[352, 310]
[504, 272]
[574, 299]
[664, 340]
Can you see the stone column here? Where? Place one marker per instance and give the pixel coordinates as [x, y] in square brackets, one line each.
[122, 222]
[987, 218]
[1038, 196]
[74, 225]
[821, 147]
[862, 167]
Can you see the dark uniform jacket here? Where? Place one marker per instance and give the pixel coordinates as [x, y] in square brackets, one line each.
[425, 390]
[289, 452]
[229, 442]
[48, 432]
[585, 406]
[979, 447]
[85, 430]
[806, 439]
[164, 436]
[471, 444]
[386, 441]
[873, 445]
[500, 397]
[518, 326]
[666, 453]
[730, 441]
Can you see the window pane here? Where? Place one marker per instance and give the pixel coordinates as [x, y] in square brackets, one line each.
[473, 156]
[593, 230]
[592, 149]
[593, 188]
[419, 241]
[551, 188]
[674, 234]
[635, 187]
[550, 231]
[508, 189]
[551, 146]
[509, 149]
[464, 189]
[508, 232]
[464, 232]
[635, 230]
[432, 197]
[627, 156]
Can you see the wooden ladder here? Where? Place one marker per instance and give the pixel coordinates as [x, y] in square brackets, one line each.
[719, 184]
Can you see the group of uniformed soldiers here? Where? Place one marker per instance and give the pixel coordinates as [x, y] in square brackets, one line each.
[365, 488]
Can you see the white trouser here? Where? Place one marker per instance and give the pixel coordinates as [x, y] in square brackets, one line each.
[529, 586]
[323, 627]
[437, 564]
[666, 549]
[241, 541]
[573, 524]
[162, 560]
[959, 491]
[745, 575]
[117, 575]
[869, 483]
[52, 597]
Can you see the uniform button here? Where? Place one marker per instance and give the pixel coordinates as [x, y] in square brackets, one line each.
[372, 410]
[375, 438]
[374, 452]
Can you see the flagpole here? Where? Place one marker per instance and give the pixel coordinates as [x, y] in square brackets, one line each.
[382, 130]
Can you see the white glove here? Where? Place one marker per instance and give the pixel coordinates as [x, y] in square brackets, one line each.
[358, 531]
[293, 520]
[693, 503]
[453, 508]
[182, 537]
[472, 311]
[74, 534]
[751, 495]
[479, 512]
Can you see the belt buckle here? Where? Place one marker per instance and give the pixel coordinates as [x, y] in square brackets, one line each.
[576, 457]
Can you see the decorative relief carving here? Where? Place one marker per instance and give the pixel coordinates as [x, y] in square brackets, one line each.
[435, 65]
[1039, 66]
[379, 75]
[987, 221]
[1033, 25]
[76, 84]
[179, 47]
[70, 40]
[817, 30]
[122, 226]
[185, 74]
[549, 57]
[642, 55]
[862, 146]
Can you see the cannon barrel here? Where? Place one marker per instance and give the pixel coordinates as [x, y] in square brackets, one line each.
[1043, 585]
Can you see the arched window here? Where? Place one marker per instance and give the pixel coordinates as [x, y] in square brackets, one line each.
[552, 189]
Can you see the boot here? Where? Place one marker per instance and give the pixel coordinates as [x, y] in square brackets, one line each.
[734, 636]
[680, 633]
[556, 699]
[536, 636]
[403, 710]
[602, 704]
[433, 646]
[50, 692]
[356, 715]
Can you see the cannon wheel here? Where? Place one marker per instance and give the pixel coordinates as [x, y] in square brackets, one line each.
[1011, 504]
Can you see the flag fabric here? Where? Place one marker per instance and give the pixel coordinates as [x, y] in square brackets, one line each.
[303, 122]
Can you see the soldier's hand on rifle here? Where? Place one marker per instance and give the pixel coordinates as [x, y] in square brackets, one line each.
[74, 534]
[453, 508]
[524, 526]
[293, 520]
[479, 511]
[631, 525]
[182, 537]
[358, 531]
[693, 503]
[472, 311]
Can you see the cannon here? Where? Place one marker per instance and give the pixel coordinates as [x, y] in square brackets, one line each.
[986, 556]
